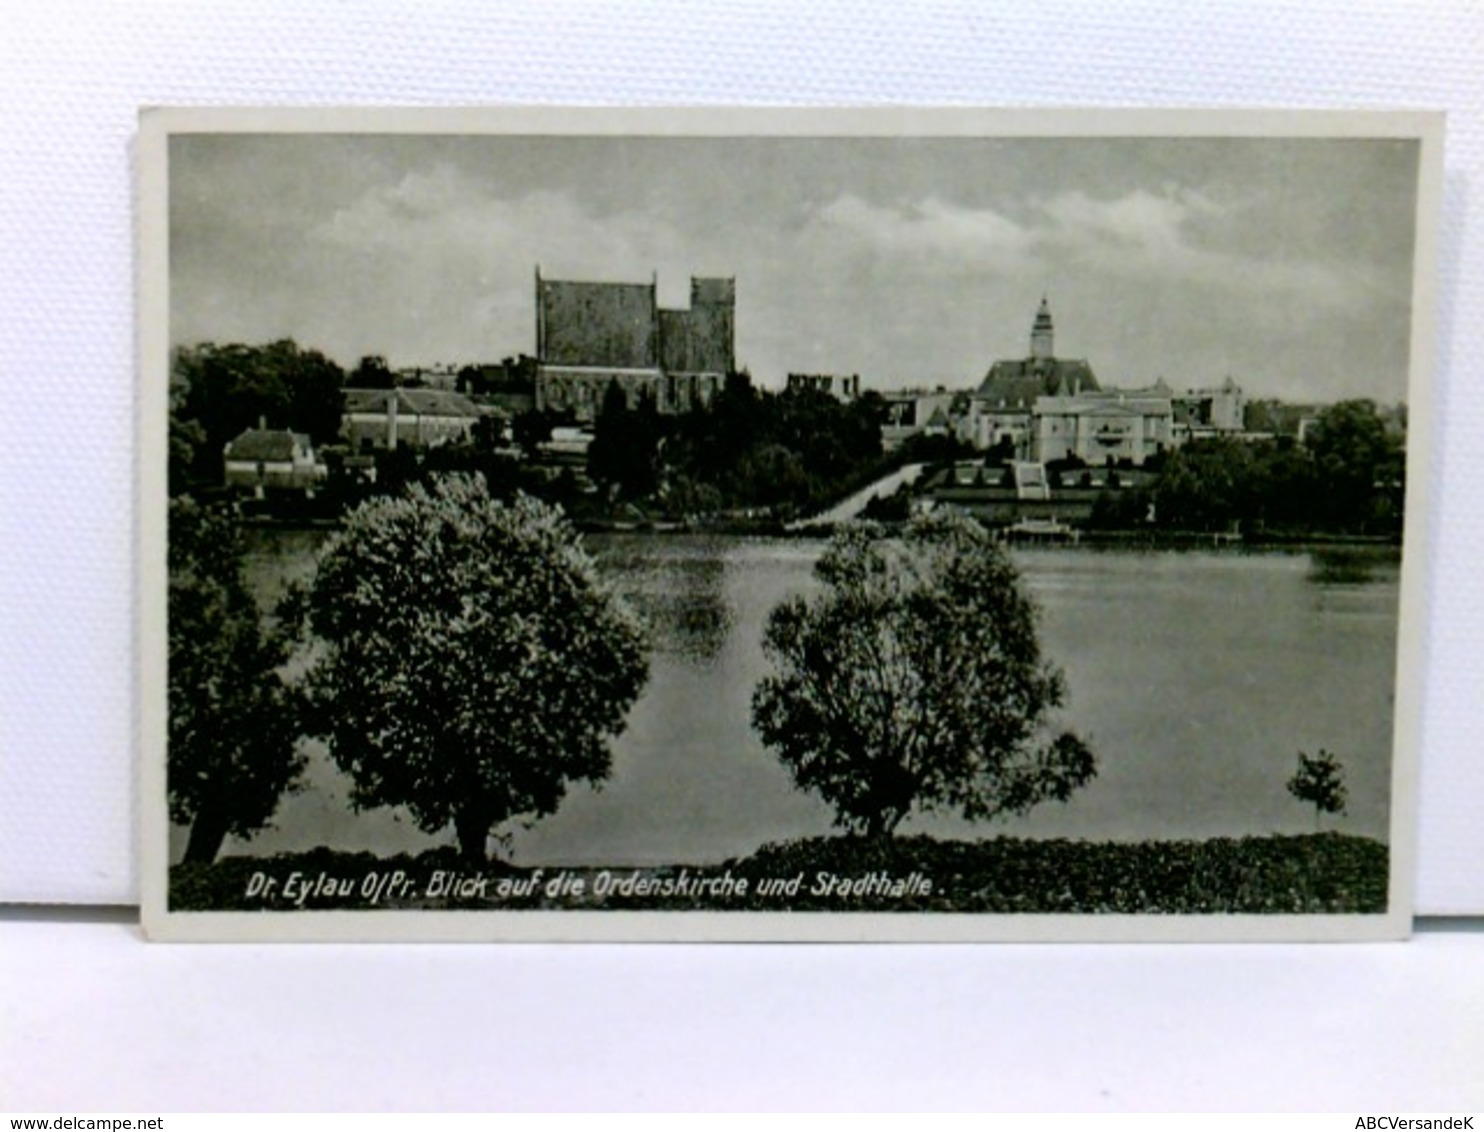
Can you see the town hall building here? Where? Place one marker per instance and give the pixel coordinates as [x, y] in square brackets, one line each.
[1045, 408]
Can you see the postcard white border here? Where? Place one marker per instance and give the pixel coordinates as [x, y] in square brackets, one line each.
[157, 125]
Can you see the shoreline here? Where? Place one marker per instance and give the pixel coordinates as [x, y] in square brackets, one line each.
[1086, 539]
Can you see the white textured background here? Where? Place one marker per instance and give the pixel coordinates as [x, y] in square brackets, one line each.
[93, 1019]
[73, 76]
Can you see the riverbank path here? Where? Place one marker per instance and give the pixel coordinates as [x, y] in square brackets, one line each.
[852, 505]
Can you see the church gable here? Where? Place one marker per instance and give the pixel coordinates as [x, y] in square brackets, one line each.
[612, 325]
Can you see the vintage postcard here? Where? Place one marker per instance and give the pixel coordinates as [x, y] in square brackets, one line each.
[782, 525]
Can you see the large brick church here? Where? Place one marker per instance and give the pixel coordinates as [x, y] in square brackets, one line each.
[590, 335]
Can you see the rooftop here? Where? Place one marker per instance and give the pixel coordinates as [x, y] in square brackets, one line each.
[414, 402]
[267, 445]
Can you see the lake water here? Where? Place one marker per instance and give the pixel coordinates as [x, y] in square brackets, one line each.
[1196, 677]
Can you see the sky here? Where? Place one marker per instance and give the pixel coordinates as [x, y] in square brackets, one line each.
[1285, 264]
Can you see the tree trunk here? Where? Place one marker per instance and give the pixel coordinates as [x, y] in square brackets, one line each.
[472, 825]
[882, 824]
[208, 832]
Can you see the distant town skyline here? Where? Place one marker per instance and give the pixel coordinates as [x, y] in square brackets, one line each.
[1285, 264]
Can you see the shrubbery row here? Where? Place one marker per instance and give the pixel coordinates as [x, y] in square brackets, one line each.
[1324, 873]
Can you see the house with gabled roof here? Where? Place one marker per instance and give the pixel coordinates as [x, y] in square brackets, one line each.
[263, 458]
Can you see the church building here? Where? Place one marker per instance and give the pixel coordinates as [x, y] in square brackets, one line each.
[591, 335]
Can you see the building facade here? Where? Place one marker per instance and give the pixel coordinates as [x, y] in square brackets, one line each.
[840, 386]
[272, 458]
[592, 335]
[415, 418]
[1015, 383]
[1044, 408]
[1002, 411]
[1107, 427]
[1204, 413]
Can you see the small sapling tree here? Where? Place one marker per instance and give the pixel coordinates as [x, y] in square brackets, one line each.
[914, 680]
[473, 663]
[1319, 781]
[233, 721]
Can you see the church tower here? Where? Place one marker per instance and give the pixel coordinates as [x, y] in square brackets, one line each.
[1041, 334]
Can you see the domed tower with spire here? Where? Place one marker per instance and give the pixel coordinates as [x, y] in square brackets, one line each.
[1042, 344]
[1015, 383]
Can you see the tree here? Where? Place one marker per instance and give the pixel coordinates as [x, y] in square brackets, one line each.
[715, 437]
[772, 475]
[786, 450]
[186, 438]
[473, 661]
[624, 452]
[914, 680]
[531, 429]
[372, 372]
[233, 721]
[1353, 456]
[1319, 781]
[316, 393]
[1206, 485]
[222, 390]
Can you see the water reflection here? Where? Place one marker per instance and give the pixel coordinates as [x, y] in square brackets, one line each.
[1345, 566]
[680, 595]
[1196, 675]
[274, 558]
[1353, 582]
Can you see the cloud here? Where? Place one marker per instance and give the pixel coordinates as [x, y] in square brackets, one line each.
[444, 215]
[1162, 239]
[932, 229]
[1138, 221]
[463, 258]
[1184, 238]
[938, 230]
[435, 262]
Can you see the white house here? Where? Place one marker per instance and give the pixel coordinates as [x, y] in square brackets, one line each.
[1103, 428]
[266, 457]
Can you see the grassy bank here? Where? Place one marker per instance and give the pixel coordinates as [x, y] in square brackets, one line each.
[1317, 873]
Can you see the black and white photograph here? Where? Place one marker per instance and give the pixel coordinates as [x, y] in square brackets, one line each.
[850, 525]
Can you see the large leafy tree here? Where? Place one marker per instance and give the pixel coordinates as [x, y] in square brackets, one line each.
[787, 450]
[473, 663]
[1206, 485]
[225, 389]
[914, 680]
[1356, 461]
[234, 721]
